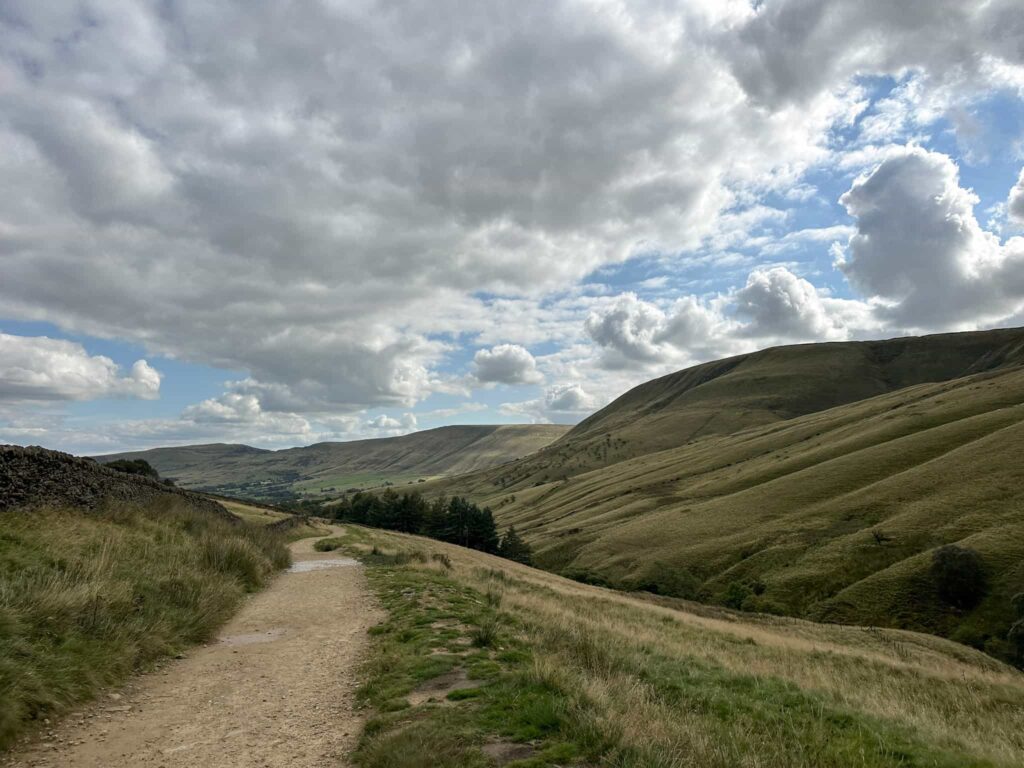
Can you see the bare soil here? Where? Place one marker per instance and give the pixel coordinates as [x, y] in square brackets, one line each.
[275, 689]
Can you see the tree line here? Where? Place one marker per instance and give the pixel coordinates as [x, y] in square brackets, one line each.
[455, 520]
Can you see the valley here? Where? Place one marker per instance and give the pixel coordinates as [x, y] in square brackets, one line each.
[331, 468]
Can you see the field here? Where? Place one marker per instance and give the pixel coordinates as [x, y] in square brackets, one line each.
[482, 658]
[329, 484]
[86, 599]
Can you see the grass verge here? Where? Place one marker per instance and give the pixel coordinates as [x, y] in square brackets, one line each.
[483, 662]
[86, 599]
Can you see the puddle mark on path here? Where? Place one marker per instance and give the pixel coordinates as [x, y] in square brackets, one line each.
[304, 566]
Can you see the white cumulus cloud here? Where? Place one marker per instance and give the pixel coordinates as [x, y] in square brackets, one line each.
[921, 253]
[1015, 203]
[40, 368]
[506, 364]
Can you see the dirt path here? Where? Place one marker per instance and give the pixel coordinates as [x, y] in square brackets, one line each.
[275, 690]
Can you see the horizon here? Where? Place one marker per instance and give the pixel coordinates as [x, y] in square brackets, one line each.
[569, 426]
[403, 223]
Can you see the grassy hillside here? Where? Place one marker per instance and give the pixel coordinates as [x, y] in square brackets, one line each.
[483, 661]
[87, 597]
[833, 515]
[333, 467]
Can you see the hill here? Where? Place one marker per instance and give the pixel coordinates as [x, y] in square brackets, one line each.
[737, 483]
[241, 470]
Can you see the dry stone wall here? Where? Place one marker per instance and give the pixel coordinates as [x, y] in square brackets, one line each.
[33, 477]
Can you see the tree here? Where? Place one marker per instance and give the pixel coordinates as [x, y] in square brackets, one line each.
[435, 519]
[959, 575]
[513, 547]
[458, 522]
[410, 513]
[483, 532]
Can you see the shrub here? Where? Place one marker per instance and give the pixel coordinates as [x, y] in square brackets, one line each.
[485, 635]
[135, 467]
[736, 595]
[959, 576]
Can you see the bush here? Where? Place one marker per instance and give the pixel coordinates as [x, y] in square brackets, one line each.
[485, 635]
[736, 595]
[959, 576]
[135, 467]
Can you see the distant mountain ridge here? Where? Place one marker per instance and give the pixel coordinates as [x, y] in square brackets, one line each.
[257, 473]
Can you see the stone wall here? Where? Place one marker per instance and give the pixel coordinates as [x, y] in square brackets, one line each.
[36, 477]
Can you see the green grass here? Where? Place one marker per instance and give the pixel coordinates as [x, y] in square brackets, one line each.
[432, 623]
[585, 676]
[88, 598]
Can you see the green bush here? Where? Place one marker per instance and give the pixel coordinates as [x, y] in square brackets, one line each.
[959, 576]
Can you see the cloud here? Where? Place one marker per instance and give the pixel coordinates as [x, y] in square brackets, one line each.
[38, 368]
[787, 51]
[311, 216]
[388, 426]
[920, 252]
[1015, 203]
[778, 304]
[630, 330]
[560, 403]
[506, 364]
[637, 334]
[234, 410]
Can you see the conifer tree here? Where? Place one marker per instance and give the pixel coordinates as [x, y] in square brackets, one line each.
[513, 547]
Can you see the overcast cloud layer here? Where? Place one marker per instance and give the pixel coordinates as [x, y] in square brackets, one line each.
[352, 208]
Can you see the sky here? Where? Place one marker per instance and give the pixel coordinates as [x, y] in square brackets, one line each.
[278, 223]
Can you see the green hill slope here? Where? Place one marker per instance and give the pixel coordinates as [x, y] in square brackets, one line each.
[833, 515]
[245, 471]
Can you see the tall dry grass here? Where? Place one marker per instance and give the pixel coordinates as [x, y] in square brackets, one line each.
[85, 599]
